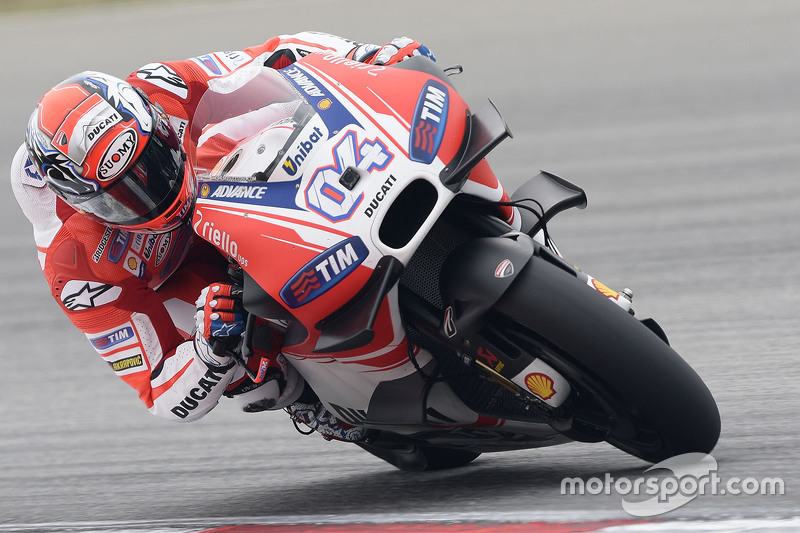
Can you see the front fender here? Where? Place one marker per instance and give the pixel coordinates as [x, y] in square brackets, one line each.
[477, 274]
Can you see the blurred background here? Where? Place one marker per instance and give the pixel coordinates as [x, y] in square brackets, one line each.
[681, 119]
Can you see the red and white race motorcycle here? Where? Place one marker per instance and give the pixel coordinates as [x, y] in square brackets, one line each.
[355, 201]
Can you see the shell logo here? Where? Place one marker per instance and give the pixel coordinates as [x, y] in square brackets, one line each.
[604, 290]
[132, 263]
[204, 190]
[324, 104]
[540, 384]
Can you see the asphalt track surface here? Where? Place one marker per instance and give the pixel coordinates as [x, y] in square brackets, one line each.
[681, 119]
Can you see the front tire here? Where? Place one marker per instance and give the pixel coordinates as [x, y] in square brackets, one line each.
[632, 389]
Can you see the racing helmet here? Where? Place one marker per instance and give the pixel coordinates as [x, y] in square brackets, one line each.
[111, 154]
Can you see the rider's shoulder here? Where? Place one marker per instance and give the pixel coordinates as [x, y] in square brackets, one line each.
[86, 247]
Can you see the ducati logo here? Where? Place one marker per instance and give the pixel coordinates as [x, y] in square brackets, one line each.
[504, 269]
[449, 324]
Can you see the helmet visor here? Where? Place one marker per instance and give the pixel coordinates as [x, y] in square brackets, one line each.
[145, 190]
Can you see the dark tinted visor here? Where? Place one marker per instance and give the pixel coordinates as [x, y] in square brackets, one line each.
[147, 189]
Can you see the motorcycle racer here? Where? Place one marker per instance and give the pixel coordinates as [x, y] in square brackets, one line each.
[104, 179]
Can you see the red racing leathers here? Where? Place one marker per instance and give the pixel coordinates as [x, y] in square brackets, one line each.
[133, 294]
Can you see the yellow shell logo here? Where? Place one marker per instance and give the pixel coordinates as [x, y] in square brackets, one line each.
[132, 263]
[324, 104]
[540, 384]
[204, 190]
[604, 290]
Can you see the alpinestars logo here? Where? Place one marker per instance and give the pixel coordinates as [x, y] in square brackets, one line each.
[163, 76]
[77, 295]
[324, 271]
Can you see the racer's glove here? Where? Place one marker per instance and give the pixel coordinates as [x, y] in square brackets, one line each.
[398, 50]
[219, 323]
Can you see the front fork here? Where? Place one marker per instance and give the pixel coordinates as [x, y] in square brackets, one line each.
[469, 294]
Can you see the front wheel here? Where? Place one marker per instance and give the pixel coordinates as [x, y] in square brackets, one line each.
[630, 388]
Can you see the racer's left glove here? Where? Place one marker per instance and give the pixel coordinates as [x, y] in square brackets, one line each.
[219, 323]
[392, 53]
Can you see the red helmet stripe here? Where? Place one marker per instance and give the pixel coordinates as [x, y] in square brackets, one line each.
[84, 126]
[51, 115]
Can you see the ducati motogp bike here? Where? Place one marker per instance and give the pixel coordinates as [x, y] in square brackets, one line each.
[416, 298]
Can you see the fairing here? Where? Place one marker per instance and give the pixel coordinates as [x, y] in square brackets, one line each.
[316, 154]
[301, 172]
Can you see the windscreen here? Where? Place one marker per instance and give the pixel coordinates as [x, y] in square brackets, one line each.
[238, 108]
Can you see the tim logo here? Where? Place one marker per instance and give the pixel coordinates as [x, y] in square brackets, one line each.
[118, 245]
[210, 64]
[326, 195]
[430, 118]
[113, 338]
[324, 271]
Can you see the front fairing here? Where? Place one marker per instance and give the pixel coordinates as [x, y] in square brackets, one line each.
[280, 144]
[304, 172]
[305, 177]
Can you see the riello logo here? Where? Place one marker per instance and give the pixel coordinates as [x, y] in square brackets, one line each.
[324, 271]
[219, 238]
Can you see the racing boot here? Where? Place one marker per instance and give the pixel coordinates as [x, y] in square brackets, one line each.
[319, 419]
[282, 384]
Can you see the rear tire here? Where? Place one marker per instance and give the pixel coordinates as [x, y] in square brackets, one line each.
[632, 389]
